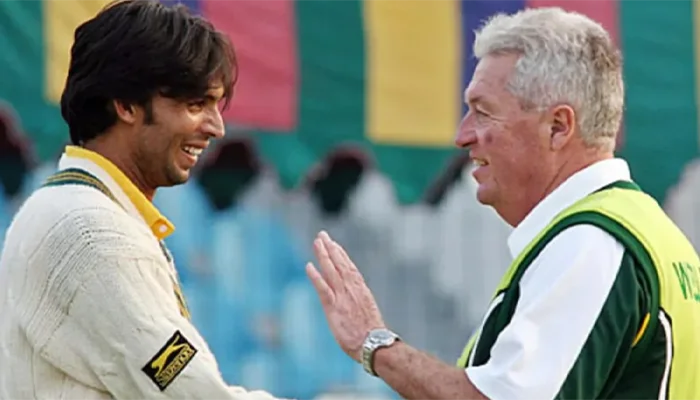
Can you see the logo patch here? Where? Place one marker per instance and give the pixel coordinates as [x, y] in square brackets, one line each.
[170, 360]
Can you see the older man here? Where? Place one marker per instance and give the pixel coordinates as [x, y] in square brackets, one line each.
[601, 300]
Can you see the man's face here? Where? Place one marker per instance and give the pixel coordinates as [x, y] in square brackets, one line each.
[508, 144]
[168, 146]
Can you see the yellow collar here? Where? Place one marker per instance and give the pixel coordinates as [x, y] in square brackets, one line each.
[160, 225]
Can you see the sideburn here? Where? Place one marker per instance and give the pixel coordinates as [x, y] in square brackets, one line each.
[148, 118]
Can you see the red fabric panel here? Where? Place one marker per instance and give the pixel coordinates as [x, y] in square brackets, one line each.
[264, 35]
[606, 12]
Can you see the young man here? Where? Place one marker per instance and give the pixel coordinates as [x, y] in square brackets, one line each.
[90, 305]
[601, 299]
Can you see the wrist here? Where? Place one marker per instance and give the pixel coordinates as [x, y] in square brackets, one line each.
[376, 340]
[384, 355]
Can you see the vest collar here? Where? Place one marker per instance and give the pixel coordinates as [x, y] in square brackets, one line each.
[576, 187]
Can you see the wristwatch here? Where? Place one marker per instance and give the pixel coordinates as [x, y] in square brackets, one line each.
[375, 340]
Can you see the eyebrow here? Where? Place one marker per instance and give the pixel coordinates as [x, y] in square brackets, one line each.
[479, 100]
[211, 97]
[474, 99]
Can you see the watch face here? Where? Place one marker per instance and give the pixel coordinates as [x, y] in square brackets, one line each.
[381, 336]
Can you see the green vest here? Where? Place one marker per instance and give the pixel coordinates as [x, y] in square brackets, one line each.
[661, 352]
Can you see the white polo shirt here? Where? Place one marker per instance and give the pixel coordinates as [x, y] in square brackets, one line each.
[561, 295]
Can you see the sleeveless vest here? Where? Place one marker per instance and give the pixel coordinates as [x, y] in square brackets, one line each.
[661, 253]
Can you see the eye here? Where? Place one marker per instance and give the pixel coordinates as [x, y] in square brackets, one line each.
[480, 113]
[196, 105]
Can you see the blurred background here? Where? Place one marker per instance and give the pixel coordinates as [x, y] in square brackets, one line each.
[343, 120]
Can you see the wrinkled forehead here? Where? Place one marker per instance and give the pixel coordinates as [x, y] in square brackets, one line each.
[491, 76]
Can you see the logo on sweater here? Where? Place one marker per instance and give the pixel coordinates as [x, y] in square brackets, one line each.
[170, 360]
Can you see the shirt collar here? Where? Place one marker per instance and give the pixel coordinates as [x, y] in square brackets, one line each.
[128, 195]
[575, 188]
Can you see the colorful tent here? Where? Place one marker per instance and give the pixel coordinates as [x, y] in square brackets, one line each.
[383, 75]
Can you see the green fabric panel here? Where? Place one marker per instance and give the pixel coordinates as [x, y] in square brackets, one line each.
[21, 43]
[643, 380]
[660, 121]
[291, 158]
[22, 75]
[412, 169]
[331, 98]
[493, 325]
[603, 358]
[608, 366]
[637, 279]
[331, 48]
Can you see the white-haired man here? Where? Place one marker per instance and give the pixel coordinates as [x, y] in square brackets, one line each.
[602, 299]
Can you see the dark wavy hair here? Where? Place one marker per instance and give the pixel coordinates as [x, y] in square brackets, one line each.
[135, 49]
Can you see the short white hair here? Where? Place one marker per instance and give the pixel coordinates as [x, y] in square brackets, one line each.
[565, 57]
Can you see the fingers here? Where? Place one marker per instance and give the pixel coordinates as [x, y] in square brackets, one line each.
[328, 268]
[324, 291]
[338, 255]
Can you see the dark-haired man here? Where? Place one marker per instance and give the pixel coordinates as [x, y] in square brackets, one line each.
[90, 305]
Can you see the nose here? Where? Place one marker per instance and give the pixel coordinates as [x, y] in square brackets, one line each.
[466, 137]
[214, 125]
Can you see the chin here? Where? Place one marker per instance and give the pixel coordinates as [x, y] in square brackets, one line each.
[178, 177]
[484, 195]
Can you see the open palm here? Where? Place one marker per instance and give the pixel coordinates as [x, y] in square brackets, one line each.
[350, 307]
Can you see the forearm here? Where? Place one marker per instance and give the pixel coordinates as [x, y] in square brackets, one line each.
[416, 375]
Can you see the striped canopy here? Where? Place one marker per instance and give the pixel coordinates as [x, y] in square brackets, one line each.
[385, 75]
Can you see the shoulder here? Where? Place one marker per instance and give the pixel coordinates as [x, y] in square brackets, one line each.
[577, 237]
[583, 236]
[68, 206]
[61, 238]
[70, 218]
[584, 240]
[578, 253]
[576, 305]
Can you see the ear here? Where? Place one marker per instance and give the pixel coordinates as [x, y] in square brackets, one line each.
[125, 112]
[563, 121]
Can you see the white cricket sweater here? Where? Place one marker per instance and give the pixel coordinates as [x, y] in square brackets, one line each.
[86, 302]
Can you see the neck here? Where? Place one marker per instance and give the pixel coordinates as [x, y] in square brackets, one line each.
[569, 167]
[122, 159]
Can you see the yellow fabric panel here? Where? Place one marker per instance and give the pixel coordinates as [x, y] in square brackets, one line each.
[413, 51]
[61, 17]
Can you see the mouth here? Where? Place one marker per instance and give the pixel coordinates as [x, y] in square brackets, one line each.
[191, 154]
[192, 151]
[479, 169]
[480, 162]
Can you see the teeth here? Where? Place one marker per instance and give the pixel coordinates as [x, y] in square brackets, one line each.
[480, 163]
[193, 151]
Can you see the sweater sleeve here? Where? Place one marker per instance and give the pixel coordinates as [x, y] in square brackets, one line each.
[120, 330]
